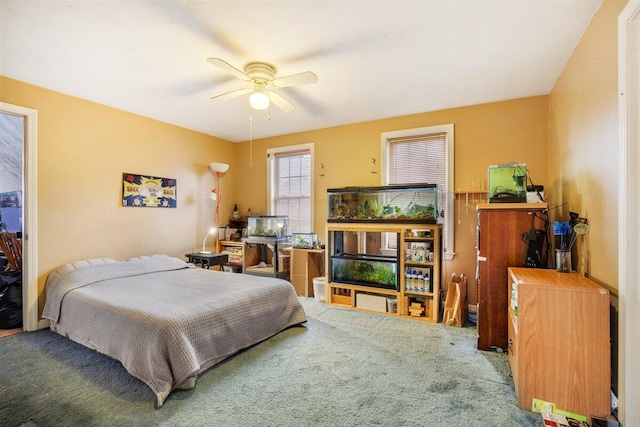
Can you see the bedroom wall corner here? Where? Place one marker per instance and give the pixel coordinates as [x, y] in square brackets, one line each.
[583, 136]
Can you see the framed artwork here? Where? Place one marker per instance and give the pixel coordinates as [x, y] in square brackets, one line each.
[148, 191]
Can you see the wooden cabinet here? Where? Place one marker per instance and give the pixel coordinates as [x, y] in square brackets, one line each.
[559, 344]
[418, 247]
[239, 254]
[306, 264]
[500, 245]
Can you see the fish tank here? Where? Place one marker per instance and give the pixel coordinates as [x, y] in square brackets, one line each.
[377, 271]
[267, 226]
[304, 240]
[508, 183]
[415, 203]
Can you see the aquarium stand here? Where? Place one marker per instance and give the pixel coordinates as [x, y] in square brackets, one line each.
[272, 256]
[403, 282]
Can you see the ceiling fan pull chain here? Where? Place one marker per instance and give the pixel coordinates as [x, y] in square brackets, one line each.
[250, 139]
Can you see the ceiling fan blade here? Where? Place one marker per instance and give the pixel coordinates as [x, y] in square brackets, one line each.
[295, 79]
[280, 102]
[228, 68]
[232, 94]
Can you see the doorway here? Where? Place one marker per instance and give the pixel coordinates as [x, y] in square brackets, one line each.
[29, 215]
[11, 179]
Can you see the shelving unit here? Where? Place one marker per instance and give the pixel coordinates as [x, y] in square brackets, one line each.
[238, 224]
[240, 255]
[425, 304]
[559, 340]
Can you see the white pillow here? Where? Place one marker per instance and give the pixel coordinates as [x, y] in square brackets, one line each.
[74, 265]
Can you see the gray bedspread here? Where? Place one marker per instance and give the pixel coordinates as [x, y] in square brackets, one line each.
[165, 320]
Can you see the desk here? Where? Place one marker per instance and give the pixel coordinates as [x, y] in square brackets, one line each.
[207, 260]
[306, 264]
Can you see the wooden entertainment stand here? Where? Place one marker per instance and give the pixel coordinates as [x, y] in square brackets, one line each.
[425, 306]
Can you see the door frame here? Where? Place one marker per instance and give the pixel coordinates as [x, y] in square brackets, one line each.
[628, 207]
[30, 214]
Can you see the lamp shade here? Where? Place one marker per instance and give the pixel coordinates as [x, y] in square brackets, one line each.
[218, 168]
[259, 99]
[211, 198]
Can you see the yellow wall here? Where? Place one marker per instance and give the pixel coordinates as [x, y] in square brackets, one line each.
[583, 158]
[83, 149]
[501, 132]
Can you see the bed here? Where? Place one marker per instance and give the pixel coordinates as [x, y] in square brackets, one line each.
[165, 320]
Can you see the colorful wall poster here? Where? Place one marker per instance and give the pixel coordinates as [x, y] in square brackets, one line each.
[148, 191]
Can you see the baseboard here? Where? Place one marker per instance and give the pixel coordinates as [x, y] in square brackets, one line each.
[43, 324]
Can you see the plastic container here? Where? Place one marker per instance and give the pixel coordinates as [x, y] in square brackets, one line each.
[319, 288]
[392, 305]
[563, 260]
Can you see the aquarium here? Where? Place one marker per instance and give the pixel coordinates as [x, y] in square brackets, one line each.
[305, 240]
[391, 203]
[508, 183]
[363, 269]
[267, 226]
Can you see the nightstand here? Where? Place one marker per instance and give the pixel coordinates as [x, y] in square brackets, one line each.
[207, 260]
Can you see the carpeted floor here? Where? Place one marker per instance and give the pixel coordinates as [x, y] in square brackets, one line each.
[342, 368]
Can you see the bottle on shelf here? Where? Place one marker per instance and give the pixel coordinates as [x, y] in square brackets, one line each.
[420, 282]
[236, 213]
[427, 280]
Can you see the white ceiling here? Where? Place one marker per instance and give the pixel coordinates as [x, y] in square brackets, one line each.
[374, 59]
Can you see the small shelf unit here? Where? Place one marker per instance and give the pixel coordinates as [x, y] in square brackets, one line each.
[418, 247]
[240, 255]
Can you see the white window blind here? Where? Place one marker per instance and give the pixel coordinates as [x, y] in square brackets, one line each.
[418, 159]
[421, 158]
[292, 188]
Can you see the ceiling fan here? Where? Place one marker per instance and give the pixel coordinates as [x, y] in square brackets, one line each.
[263, 82]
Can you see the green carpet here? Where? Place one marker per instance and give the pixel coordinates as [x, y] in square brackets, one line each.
[342, 368]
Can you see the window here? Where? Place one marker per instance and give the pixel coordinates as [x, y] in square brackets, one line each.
[290, 171]
[422, 155]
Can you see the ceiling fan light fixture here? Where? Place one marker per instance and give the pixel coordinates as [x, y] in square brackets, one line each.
[259, 100]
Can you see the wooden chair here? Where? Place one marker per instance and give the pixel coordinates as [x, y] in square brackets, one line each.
[12, 249]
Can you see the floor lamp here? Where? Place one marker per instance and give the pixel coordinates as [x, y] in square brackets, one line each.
[214, 197]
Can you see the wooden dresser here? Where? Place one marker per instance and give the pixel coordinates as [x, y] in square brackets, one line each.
[559, 344]
[500, 245]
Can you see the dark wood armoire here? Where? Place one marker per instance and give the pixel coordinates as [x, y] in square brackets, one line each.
[501, 243]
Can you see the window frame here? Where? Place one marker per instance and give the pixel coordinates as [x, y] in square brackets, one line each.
[448, 129]
[271, 181]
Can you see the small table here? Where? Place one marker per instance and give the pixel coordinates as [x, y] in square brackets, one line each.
[207, 260]
[306, 264]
